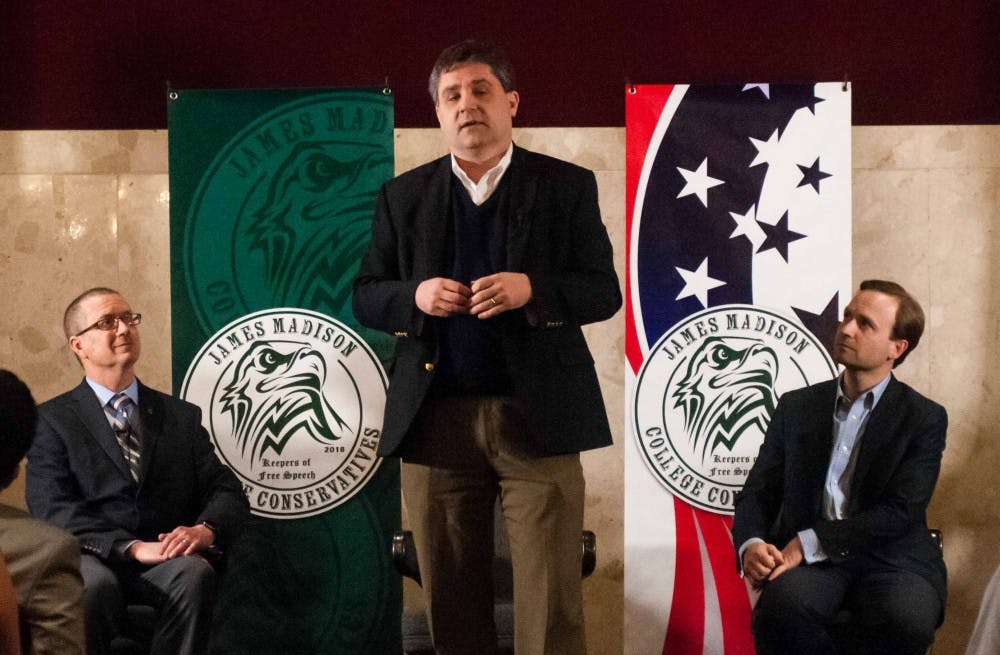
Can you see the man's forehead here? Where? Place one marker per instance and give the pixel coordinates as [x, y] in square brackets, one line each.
[103, 302]
[468, 73]
[870, 300]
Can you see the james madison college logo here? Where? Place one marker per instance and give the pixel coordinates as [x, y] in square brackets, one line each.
[282, 215]
[293, 401]
[706, 393]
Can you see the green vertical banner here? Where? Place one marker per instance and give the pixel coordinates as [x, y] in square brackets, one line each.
[271, 201]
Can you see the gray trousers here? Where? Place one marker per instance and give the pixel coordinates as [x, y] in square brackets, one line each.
[181, 591]
[896, 611]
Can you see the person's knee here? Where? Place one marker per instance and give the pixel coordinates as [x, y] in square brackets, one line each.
[187, 582]
[100, 587]
[785, 610]
[774, 621]
[197, 577]
[780, 601]
[905, 631]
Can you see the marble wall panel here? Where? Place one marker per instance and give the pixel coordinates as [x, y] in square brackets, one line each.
[890, 235]
[58, 230]
[963, 242]
[901, 147]
[83, 151]
[144, 267]
[85, 208]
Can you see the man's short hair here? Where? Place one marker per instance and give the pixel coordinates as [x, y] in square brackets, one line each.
[475, 52]
[18, 416]
[71, 317]
[909, 323]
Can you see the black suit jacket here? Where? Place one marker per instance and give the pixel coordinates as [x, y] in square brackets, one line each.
[77, 477]
[556, 237]
[897, 468]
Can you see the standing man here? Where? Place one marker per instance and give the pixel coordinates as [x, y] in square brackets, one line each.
[131, 472]
[834, 509]
[484, 264]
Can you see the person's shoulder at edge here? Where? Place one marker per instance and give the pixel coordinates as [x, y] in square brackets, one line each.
[44, 535]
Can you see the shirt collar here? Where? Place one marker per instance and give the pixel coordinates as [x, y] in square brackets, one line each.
[104, 394]
[872, 396]
[482, 190]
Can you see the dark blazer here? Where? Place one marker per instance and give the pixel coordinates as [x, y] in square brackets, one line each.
[556, 237]
[77, 477]
[897, 468]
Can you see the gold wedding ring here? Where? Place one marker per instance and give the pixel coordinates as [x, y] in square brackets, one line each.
[494, 300]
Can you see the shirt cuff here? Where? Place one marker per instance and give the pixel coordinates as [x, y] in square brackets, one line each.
[812, 549]
[120, 549]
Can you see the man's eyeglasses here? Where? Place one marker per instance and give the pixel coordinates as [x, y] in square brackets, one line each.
[110, 322]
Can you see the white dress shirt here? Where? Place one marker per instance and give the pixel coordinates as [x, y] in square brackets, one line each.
[482, 190]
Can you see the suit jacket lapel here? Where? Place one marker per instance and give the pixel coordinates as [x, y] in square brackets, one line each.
[523, 188]
[880, 430]
[433, 220]
[818, 424]
[149, 429]
[92, 415]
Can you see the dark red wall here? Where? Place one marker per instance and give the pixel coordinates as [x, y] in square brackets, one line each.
[93, 64]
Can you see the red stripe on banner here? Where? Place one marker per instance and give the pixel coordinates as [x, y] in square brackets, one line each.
[734, 602]
[686, 628]
[643, 106]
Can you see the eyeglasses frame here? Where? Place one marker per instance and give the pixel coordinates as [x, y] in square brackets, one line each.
[134, 319]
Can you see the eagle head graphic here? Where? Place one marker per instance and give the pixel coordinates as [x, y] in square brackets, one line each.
[276, 393]
[728, 388]
[313, 221]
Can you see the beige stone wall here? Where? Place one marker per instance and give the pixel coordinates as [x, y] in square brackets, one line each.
[84, 208]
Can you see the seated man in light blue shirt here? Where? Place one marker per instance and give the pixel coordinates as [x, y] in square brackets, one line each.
[834, 509]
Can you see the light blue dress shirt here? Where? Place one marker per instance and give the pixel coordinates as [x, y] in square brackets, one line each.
[849, 422]
[104, 394]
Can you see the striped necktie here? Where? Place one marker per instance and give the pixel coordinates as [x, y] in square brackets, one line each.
[119, 409]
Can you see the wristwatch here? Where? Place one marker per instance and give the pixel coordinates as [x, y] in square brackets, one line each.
[211, 526]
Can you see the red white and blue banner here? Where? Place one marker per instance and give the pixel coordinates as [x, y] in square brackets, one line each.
[738, 218]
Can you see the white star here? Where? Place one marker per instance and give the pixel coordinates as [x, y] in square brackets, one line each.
[746, 225]
[698, 182]
[766, 150]
[764, 88]
[697, 283]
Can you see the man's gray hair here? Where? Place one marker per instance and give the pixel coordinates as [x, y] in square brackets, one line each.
[476, 52]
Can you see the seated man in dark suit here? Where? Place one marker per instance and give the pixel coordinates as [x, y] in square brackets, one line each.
[44, 561]
[834, 509]
[131, 472]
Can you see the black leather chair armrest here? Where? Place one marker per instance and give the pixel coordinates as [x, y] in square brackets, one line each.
[588, 543]
[404, 555]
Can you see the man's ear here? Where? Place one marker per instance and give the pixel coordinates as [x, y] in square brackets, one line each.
[514, 98]
[76, 346]
[899, 346]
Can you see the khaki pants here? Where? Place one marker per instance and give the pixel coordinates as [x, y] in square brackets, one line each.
[466, 450]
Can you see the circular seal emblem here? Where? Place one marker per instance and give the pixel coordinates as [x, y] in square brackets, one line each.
[293, 401]
[282, 215]
[706, 393]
